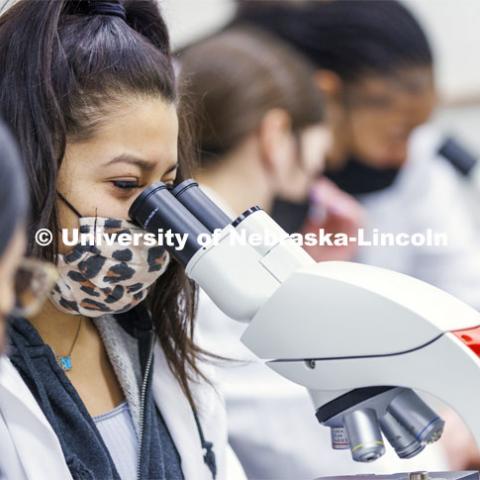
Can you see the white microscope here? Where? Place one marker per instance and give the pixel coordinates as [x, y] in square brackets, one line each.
[359, 338]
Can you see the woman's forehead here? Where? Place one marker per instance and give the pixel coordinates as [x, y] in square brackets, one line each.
[142, 135]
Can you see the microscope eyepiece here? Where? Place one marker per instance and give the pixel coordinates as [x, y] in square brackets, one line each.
[139, 205]
[189, 194]
[156, 209]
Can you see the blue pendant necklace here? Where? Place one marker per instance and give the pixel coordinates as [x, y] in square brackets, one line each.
[65, 361]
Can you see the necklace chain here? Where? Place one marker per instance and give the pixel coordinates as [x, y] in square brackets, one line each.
[65, 361]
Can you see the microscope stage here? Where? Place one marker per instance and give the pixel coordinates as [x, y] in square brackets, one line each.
[411, 476]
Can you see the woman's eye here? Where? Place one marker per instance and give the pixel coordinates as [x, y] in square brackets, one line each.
[126, 184]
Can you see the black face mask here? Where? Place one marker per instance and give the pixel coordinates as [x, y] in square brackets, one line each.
[357, 178]
[354, 178]
[289, 215]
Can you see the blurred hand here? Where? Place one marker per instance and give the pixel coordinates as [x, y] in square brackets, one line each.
[458, 443]
[336, 212]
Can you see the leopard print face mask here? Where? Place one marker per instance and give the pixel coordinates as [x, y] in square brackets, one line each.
[108, 278]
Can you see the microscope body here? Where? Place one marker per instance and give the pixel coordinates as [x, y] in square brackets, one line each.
[352, 335]
[380, 330]
[358, 337]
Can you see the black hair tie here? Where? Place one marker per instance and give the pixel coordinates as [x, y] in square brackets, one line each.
[112, 7]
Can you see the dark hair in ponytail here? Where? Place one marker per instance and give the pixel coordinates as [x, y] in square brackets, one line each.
[62, 69]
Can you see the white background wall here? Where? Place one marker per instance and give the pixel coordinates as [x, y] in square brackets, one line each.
[454, 31]
[190, 19]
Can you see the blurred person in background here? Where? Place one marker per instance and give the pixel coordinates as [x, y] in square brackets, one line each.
[262, 135]
[375, 67]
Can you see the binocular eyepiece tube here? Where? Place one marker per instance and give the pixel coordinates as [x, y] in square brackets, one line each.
[184, 210]
[211, 246]
[157, 209]
[189, 194]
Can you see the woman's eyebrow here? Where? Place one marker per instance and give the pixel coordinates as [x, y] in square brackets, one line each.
[139, 162]
[132, 160]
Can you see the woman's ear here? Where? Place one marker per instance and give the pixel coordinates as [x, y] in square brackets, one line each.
[333, 90]
[275, 140]
[329, 83]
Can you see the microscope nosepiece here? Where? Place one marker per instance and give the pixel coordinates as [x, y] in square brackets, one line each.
[363, 430]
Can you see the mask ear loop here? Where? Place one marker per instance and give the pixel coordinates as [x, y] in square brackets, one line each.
[77, 213]
[95, 224]
[69, 205]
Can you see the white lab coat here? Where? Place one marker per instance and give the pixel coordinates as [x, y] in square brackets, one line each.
[427, 194]
[272, 426]
[29, 448]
